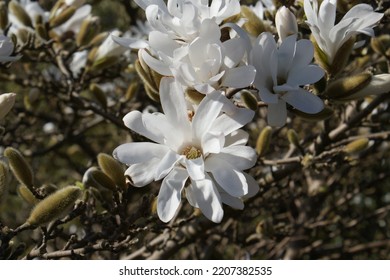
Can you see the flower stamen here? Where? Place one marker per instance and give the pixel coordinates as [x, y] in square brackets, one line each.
[191, 152]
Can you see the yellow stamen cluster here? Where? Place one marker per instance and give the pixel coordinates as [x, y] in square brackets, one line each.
[191, 152]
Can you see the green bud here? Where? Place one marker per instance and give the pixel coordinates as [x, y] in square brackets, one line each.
[99, 94]
[356, 146]
[292, 137]
[263, 141]
[3, 178]
[326, 113]
[63, 17]
[113, 169]
[3, 15]
[193, 95]
[345, 87]
[20, 168]
[27, 195]
[54, 206]
[249, 100]
[104, 63]
[89, 29]
[20, 13]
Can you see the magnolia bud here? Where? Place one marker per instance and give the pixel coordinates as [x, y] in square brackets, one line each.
[54, 206]
[342, 56]
[113, 169]
[263, 141]
[193, 95]
[286, 23]
[326, 113]
[131, 90]
[27, 195]
[104, 63]
[20, 13]
[95, 178]
[89, 29]
[292, 137]
[249, 100]
[63, 17]
[20, 168]
[253, 24]
[3, 15]
[3, 178]
[378, 84]
[345, 87]
[7, 101]
[99, 94]
[381, 44]
[356, 146]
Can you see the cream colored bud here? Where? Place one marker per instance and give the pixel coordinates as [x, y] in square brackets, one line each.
[20, 168]
[249, 100]
[356, 146]
[54, 206]
[3, 15]
[7, 101]
[345, 87]
[99, 94]
[63, 17]
[286, 23]
[27, 195]
[90, 27]
[263, 141]
[20, 13]
[113, 169]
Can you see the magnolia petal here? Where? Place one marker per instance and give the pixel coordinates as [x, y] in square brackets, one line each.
[195, 168]
[207, 112]
[303, 54]
[238, 137]
[232, 201]
[166, 164]
[204, 194]
[227, 123]
[231, 180]
[162, 42]
[277, 113]
[239, 77]
[131, 153]
[253, 186]
[132, 43]
[267, 96]
[234, 51]
[169, 196]
[305, 75]
[212, 142]
[142, 174]
[304, 101]
[155, 64]
[285, 54]
[239, 157]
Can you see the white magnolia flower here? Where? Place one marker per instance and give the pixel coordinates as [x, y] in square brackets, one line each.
[205, 64]
[286, 23]
[6, 49]
[208, 151]
[7, 101]
[330, 36]
[281, 71]
[109, 48]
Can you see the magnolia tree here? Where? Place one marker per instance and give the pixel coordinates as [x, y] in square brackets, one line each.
[153, 129]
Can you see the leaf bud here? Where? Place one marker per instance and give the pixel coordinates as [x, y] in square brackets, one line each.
[131, 90]
[292, 137]
[27, 195]
[253, 24]
[326, 113]
[54, 206]
[263, 141]
[90, 27]
[99, 94]
[113, 169]
[7, 101]
[20, 168]
[3, 178]
[3, 15]
[62, 17]
[94, 177]
[345, 87]
[381, 44]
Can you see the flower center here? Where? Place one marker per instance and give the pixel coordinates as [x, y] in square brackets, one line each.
[191, 152]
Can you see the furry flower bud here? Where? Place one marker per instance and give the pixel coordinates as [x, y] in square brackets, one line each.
[20, 168]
